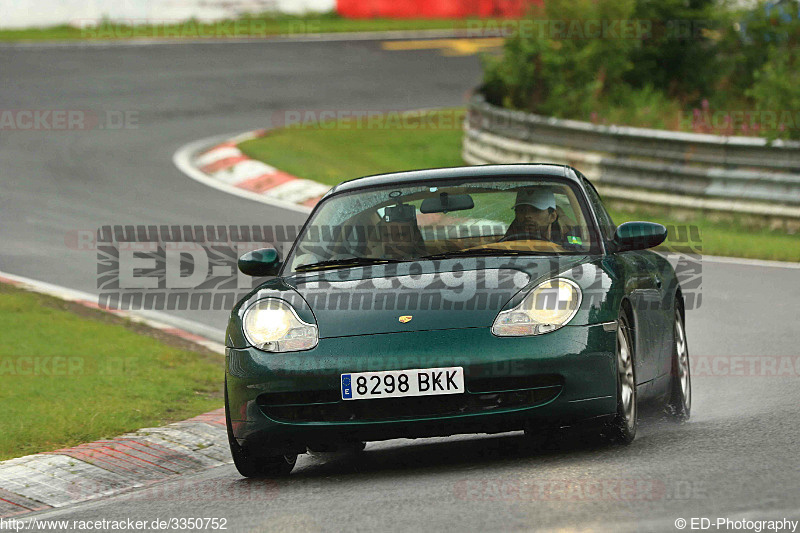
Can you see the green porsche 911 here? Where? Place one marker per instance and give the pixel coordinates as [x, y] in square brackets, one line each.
[459, 300]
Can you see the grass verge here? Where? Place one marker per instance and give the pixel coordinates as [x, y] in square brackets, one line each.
[263, 25]
[333, 152]
[70, 374]
[337, 151]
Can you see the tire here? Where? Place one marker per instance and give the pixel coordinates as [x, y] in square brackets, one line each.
[679, 403]
[255, 466]
[623, 427]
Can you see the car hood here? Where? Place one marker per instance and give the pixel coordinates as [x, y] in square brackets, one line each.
[430, 295]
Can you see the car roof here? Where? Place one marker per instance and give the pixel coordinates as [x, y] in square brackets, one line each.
[477, 171]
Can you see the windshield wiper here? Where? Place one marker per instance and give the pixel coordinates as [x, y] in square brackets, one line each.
[347, 261]
[482, 252]
[362, 261]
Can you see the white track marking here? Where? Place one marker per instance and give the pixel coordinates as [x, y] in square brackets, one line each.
[183, 160]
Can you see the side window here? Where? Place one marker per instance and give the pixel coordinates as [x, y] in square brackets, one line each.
[607, 226]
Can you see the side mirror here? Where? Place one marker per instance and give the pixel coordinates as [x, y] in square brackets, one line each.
[639, 236]
[263, 262]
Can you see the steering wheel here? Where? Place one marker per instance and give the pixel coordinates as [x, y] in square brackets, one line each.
[522, 236]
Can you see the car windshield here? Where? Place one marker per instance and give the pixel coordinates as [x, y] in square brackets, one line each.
[449, 219]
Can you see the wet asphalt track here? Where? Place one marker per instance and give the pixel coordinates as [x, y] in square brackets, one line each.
[737, 457]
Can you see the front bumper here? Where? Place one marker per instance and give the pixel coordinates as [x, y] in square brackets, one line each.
[284, 402]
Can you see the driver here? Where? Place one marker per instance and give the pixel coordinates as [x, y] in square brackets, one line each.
[535, 216]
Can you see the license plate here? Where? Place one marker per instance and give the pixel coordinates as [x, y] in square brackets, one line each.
[402, 383]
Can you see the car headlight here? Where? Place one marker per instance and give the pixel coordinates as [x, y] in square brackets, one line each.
[546, 308]
[272, 325]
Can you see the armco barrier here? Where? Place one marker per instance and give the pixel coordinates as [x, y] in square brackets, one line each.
[743, 175]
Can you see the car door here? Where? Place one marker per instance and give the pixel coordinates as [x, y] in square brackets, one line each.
[646, 299]
[643, 290]
[663, 313]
